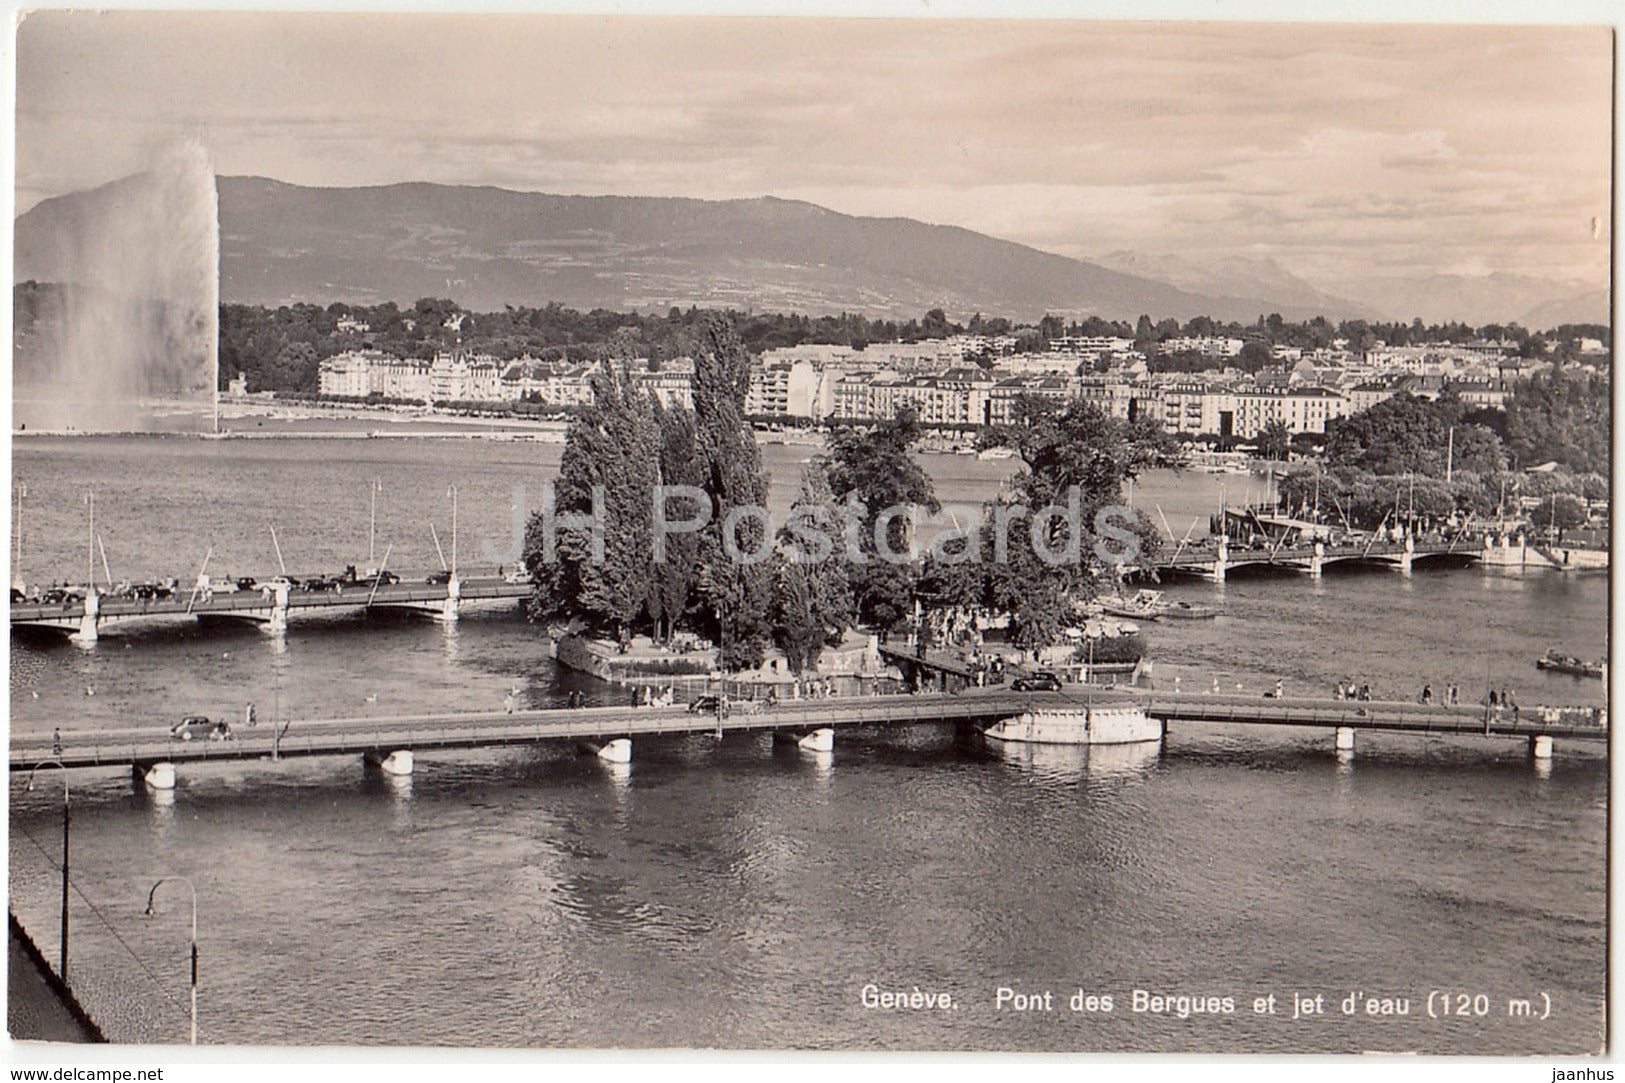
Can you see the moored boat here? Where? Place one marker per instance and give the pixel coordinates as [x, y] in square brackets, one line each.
[1145, 605]
[1187, 611]
[1114, 724]
[1558, 662]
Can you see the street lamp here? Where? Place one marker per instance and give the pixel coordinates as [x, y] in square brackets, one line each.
[66, 820]
[150, 896]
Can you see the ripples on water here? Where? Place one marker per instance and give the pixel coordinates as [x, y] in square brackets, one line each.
[740, 894]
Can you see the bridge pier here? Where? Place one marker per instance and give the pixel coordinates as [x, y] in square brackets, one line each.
[616, 750]
[1502, 553]
[390, 763]
[449, 608]
[159, 776]
[1317, 560]
[1216, 573]
[279, 612]
[87, 633]
[818, 740]
[1406, 556]
[1540, 747]
[1344, 739]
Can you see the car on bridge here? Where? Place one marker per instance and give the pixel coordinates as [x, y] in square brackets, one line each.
[1039, 680]
[195, 727]
[438, 579]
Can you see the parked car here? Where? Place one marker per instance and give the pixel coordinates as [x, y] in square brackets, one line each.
[1037, 681]
[703, 705]
[382, 579]
[438, 579]
[280, 582]
[17, 596]
[518, 575]
[318, 583]
[246, 582]
[198, 727]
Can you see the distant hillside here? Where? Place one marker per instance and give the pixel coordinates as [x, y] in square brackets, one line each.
[1582, 308]
[1264, 278]
[487, 247]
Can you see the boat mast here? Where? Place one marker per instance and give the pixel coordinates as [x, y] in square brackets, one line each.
[90, 574]
[17, 565]
[372, 524]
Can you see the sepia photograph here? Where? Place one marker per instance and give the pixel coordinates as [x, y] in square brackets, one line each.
[649, 532]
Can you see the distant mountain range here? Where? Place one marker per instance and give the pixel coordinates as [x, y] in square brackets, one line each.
[489, 247]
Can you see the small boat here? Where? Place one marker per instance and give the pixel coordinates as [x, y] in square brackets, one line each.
[1187, 611]
[1145, 605]
[1117, 724]
[1558, 662]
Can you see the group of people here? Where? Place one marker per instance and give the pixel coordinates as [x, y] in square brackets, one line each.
[1349, 690]
[1450, 698]
[648, 697]
[813, 688]
[1503, 701]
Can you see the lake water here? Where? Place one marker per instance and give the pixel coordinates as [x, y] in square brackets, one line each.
[735, 895]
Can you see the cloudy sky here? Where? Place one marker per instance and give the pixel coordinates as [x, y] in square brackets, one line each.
[1366, 159]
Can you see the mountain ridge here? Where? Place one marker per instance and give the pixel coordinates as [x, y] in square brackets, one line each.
[486, 246]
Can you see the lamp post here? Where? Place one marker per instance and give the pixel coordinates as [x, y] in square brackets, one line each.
[66, 821]
[372, 523]
[150, 897]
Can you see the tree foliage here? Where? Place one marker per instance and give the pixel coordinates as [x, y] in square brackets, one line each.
[813, 601]
[738, 591]
[1561, 415]
[875, 467]
[612, 446]
[1405, 434]
[1076, 458]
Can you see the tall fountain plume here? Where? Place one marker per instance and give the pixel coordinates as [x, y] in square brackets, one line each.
[135, 346]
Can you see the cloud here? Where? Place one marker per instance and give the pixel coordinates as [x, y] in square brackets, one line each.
[1343, 151]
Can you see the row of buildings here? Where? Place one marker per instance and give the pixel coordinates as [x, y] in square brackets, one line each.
[821, 383]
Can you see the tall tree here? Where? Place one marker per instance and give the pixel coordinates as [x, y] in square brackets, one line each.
[735, 571]
[1038, 574]
[813, 602]
[674, 578]
[1274, 441]
[613, 445]
[876, 468]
